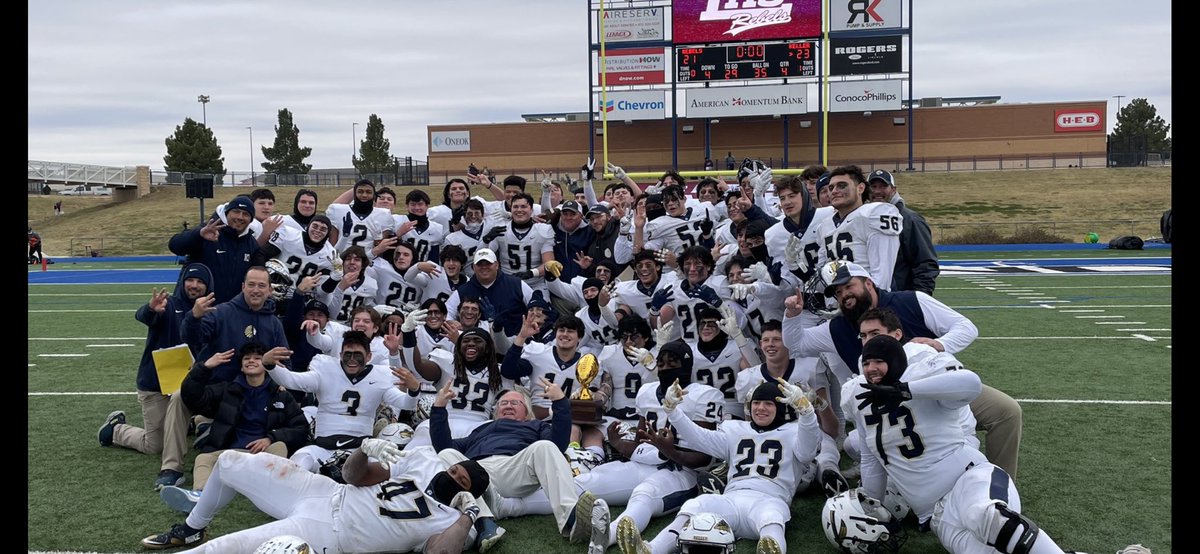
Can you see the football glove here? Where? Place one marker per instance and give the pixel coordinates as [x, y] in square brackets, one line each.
[662, 335]
[707, 294]
[383, 450]
[740, 292]
[661, 298]
[495, 232]
[414, 319]
[588, 171]
[883, 397]
[673, 396]
[706, 227]
[661, 255]
[547, 183]
[384, 310]
[464, 502]
[524, 275]
[794, 396]
[755, 273]
[553, 269]
[642, 356]
[615, 170]
[793, 254]
[729, 324]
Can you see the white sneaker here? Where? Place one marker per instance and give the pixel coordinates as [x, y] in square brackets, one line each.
[600, 518]
[180, 499]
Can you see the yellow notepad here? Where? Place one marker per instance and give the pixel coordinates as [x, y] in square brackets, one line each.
[172, 365]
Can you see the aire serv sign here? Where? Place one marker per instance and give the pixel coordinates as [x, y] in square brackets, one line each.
[450, 141]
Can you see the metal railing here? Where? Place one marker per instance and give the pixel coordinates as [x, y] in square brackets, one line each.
[82, 174]
[140, 245]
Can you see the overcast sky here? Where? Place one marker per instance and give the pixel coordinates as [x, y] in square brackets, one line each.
[110, 80]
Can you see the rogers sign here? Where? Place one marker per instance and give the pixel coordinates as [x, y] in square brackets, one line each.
[1067, 121]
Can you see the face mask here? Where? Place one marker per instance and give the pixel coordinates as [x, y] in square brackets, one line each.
[443, 488]
[473, 228]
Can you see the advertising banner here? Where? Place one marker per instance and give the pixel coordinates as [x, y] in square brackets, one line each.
[646, 104]
[861, 56]
[704, 21]
[450, 141]
[1072, 121]
[632, 25]
[634, 66]
[855, 15]
[865, 96]
[736, 101]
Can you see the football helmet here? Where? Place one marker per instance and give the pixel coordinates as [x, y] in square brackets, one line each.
[332, 468]
[282, 284]
[815, 299]
[859, 524]
[284, 544]
[398, 433]
[706, 533]
[581, 460]
[895, 504]
[424, 405]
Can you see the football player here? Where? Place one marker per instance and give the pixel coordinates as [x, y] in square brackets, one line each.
[972, 505]
[696, 286]
[439, 281]
[469, 236]
[867, 234]
[636, 296]
[759, 299]
[599, 321]
[351, 287]
[764, 453]
[721, 352]
[305, 252]
[392, 271]
[681, 225]
[348, 390]
[425, 235]
[524, 246]
[356, 219]
[406, 500]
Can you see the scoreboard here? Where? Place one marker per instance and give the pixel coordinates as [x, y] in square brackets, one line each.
[745, 61]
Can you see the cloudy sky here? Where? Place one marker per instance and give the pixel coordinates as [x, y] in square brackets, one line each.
[109, 80]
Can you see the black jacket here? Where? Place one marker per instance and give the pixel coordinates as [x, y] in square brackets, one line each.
[916, 261]
[165, 329]
[223, 403]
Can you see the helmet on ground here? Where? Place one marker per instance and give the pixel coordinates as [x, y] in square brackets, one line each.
[399, 433]
[895, 504]
[282, 284]
[284, 544]
[706, 533]
[581, 460]
[858, 524]
[424, 405]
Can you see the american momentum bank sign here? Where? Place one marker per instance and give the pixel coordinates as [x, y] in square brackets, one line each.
[736, 101]
[865, 96]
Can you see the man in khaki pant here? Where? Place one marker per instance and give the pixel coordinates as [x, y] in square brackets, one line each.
[164, 415]
[252, 413]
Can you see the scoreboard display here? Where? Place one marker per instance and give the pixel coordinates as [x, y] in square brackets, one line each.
[745, 61]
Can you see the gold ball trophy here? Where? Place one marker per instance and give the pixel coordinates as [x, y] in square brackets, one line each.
[586, 410]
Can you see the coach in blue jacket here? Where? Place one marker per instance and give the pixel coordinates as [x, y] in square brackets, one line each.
[225, 249]
[249, 316]
[504, 297]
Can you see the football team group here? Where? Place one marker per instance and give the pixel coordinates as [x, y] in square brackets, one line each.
[379, 382]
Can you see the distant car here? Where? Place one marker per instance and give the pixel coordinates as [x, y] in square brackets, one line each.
[84, 191]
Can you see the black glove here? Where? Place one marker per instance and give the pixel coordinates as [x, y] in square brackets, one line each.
[524, 275]
[494, 233]
[707, 294]
[883, 397]
[706, 227]
[588, 170]
[661, 298]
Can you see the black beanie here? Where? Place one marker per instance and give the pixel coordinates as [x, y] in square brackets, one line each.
[888, 349]
[479, 477]
[767, 390]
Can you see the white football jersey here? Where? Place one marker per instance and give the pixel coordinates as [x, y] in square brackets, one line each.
[777, 237]
[627, 380]
[296, 255]
[342, 302]
[631, 293]
[519, 251]
[440, 214]
[346, 405]
[766, 462]
[560, 372]
[496, 213]
[701, 403]
[869, 236]
[597, 333]
[390, 286]
[675, 233]
[352, 229]
[719, 370]
[685, 308]
[396, 515]
[474, 397]
[920, 444]
[799, 370]
[469, 245]
[423, 241]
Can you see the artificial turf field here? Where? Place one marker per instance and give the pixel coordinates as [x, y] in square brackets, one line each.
[1087, 355]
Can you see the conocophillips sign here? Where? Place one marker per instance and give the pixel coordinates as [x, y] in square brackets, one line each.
[865, 96]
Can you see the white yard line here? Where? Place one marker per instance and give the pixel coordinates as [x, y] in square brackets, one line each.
[63, 355]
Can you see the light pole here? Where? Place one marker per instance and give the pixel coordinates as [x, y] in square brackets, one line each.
[203, 100]
[1119, 97]
[353, 141]
[252, 181]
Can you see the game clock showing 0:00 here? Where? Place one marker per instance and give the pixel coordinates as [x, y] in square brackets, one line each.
[745, 61]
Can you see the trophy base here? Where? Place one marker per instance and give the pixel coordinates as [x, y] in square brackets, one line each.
[587, 412]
